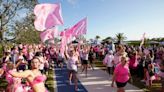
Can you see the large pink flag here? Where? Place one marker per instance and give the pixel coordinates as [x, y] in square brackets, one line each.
[47, 16]
[48, 34]
[83, 28]
[54, 31]
[80, 28]
[67, 34]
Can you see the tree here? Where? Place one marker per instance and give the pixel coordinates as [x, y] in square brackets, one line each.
[120, 37]
[9, 13]
[97, 37]
[29, 37]
[162, 39]
[24, 31]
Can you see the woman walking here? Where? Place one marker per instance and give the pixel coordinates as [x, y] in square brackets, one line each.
[72, 60]
[121, 75]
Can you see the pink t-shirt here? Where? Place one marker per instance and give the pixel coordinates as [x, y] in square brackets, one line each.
[133, 62]
[122, 73]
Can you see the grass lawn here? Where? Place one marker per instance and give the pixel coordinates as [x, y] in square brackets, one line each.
[49, 82]
[3, 84]
[136, 81]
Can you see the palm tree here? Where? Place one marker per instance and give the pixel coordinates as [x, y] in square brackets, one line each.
[97, 37]
[120, 37]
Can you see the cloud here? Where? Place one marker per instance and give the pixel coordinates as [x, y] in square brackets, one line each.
[73, 2]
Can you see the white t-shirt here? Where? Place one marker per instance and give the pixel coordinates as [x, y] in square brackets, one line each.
[109, 59]
[72, 63]
[85, 56]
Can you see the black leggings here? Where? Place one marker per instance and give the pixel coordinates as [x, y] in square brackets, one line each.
[109, 70]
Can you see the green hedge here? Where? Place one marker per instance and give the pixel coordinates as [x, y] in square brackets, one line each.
[1, 50]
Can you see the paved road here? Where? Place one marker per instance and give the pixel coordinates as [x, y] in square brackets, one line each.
[97, 81]
[61, 77]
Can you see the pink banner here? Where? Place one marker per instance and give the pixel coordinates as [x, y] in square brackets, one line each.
[80, 28]
[47, 16]
[68, 34]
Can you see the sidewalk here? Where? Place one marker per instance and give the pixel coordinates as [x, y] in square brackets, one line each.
[99, 81]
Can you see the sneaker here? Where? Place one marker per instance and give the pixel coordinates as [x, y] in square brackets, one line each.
[70, 82]
[77, 90]
[142, 80]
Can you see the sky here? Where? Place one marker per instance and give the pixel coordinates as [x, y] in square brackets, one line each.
[109, 17]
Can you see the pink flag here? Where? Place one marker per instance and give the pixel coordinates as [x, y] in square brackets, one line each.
[68, 34]
[51, 41]
[47, 16]
[54, 31]
[48, 34]
[80, 28]
[63, 43]
[83, 28]
[61, 33]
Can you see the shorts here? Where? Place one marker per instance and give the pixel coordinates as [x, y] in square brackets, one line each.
[120, 85]
[85, 62]
[91, 60]
[60, 61]
[73, 71]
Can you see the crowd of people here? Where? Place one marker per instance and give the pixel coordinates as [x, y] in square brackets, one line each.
[25, 67]
[147, 63]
